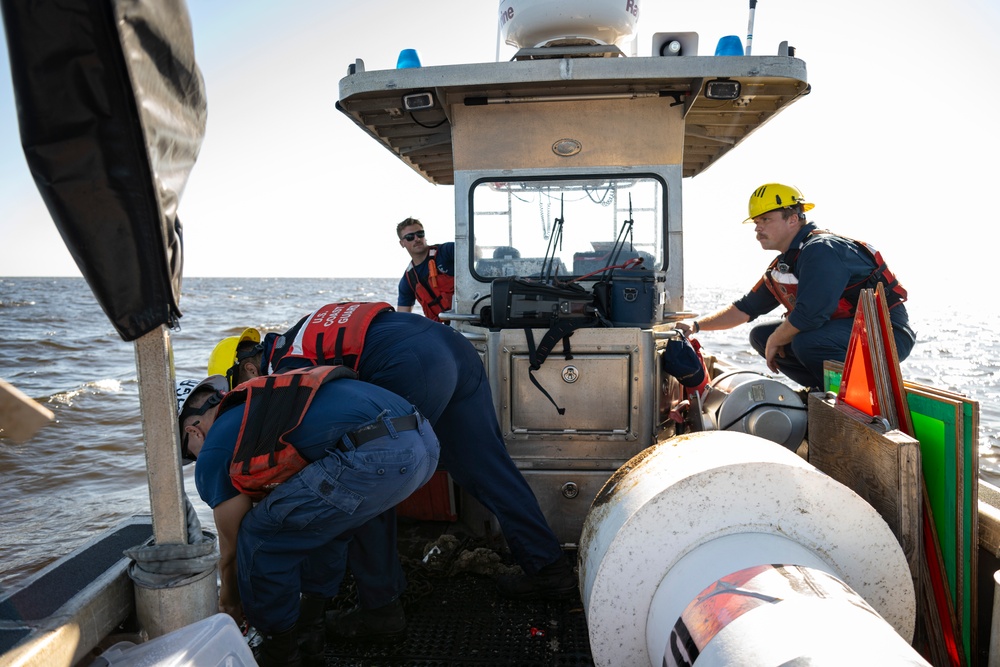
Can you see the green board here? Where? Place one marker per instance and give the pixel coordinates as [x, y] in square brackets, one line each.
[946, 426]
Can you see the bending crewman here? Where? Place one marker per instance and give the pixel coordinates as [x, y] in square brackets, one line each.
[322, 456]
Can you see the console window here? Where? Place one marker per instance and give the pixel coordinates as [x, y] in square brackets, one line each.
[566, 228]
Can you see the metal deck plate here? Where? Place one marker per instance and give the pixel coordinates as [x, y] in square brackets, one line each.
[463, 621]
[460, 619]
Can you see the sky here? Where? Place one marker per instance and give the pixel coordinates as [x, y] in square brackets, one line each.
[891, 145]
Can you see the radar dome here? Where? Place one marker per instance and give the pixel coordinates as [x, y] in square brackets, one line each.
[536, 23]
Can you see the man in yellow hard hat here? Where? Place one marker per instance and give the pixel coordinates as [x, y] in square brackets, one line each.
[230, 351]
[818, 277]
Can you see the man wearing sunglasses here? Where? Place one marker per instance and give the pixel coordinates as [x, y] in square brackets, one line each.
[292, 466]
[430, 277]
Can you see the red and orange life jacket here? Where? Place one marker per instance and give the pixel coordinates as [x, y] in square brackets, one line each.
[783, 284]
[273, 406]
[333, 334]
[434, 294]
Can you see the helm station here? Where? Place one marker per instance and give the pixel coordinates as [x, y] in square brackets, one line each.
[567, 164]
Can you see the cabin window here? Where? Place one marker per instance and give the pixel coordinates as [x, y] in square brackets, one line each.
[566, 228]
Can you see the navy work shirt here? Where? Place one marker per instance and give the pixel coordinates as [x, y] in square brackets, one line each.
[824, 268]
[340, 406]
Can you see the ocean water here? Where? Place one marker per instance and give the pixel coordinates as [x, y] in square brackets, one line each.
[85, 471]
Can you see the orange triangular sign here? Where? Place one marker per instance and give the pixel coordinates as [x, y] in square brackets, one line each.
[857, 384]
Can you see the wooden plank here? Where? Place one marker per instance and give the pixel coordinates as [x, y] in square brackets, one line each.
[20, 415]
[882, 468]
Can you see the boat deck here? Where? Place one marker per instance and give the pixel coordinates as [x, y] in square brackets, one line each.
[456, 617]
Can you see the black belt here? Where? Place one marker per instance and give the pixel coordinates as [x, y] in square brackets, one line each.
[378, 429]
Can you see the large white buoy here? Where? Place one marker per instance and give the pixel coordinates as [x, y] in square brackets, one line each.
[722, 510]
[536, 23]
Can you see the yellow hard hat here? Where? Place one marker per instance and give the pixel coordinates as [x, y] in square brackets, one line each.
[772, 196]
[223, 358]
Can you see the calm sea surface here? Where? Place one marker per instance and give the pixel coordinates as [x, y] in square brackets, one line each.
[85, 472]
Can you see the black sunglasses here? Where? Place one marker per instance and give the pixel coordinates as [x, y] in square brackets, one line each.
[413, 235]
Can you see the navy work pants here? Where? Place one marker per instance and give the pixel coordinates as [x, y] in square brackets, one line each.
[295, 540]
[803, 363]
[436, 369]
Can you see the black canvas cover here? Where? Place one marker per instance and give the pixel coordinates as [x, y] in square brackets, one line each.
[112, 111]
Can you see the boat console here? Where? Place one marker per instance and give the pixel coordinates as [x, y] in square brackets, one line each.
[567, 163]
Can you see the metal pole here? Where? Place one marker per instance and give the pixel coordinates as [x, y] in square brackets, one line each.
[753, 8]
[162, 609]
[160, 432]
[498, 41]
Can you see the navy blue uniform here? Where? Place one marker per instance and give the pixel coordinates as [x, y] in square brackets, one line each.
[825, 266]
[296, 538]
[436, 369]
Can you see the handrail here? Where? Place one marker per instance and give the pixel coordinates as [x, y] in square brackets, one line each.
[449, 316]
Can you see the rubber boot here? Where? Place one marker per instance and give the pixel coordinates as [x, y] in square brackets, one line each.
[312, 630]
[279, 649]
[384, 624]
[555, 581]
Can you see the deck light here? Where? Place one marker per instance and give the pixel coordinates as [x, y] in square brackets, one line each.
[722, 89]
[729, 45]
[418, 101]
[408, 58]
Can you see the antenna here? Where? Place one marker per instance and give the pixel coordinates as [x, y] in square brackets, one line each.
[499, 28]
[753, 8]
[625, 233]
[555, 243]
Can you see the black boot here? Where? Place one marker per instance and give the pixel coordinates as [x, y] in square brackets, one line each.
[312, 630]
[384, 624]
[279, 649]
[555, 581]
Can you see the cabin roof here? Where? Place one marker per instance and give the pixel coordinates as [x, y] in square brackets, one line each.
[422, 139]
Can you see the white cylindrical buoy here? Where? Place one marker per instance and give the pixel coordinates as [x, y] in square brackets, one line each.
[783, 615]
[690, 512]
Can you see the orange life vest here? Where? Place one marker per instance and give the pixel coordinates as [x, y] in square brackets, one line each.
[333, 334]
[435, 294]
[273, 406]
[783, 284]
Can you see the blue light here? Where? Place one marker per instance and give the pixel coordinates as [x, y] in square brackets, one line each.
[408, 58]
[730, 45]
